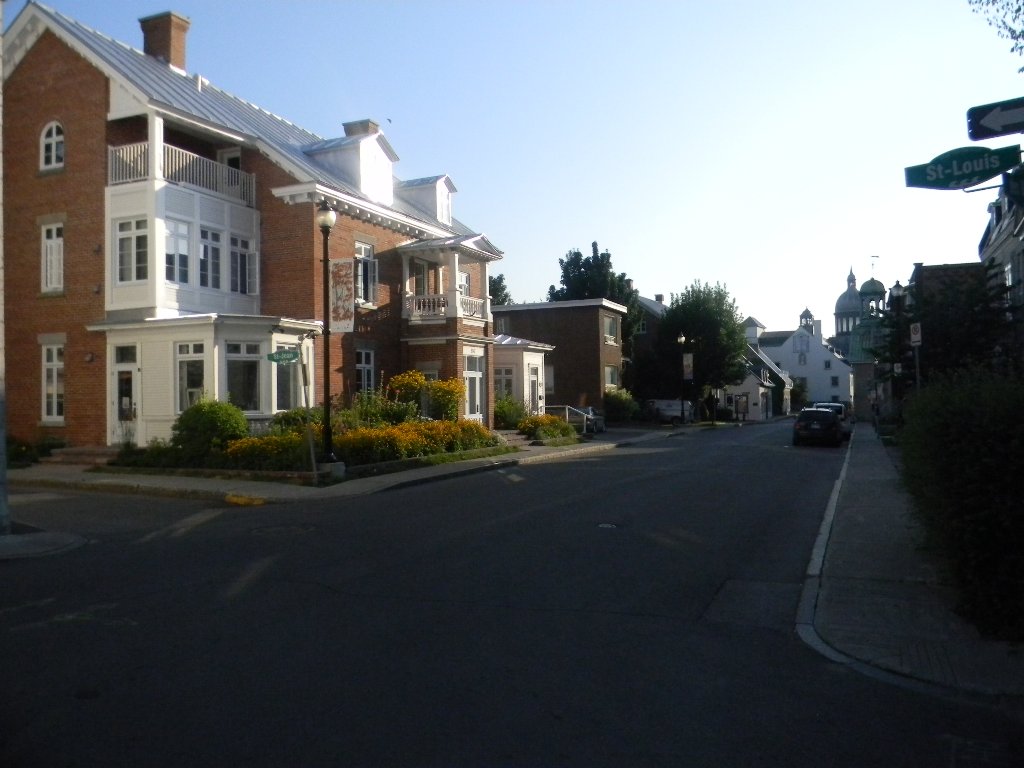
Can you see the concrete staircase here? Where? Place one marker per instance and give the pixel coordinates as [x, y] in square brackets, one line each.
[92, 455]
[513, 438]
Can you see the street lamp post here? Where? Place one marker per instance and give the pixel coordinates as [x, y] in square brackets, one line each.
[325, 218]
[896, 300]
[681, 340]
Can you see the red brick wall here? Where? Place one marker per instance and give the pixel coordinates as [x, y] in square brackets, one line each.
[54, 83]
[580, 353]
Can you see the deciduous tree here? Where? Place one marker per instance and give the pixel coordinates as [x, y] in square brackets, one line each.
[498, 291]
[707, 317]
[1007, 17]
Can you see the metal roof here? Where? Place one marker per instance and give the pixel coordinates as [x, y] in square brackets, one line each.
[193, 98]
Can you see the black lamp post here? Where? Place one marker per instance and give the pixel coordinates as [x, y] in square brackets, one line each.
[681, 340]
[896, 300]
[325, 218]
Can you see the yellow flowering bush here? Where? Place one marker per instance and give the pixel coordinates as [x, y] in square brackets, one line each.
[445, 396]
[283, 452]
[407, 386]
[369, 445]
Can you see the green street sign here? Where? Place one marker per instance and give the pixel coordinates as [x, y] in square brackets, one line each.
[964, 167]
[284, 356]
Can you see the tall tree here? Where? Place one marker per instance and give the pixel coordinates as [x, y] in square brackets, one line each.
[593, 277]
[966, 320]
[498, 291]
[1007, 17]
[707, 318]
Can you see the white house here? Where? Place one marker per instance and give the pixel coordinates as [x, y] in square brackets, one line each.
[806, 358]
[519, 370]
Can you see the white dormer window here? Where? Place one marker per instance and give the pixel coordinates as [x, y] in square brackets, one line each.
[51, 147]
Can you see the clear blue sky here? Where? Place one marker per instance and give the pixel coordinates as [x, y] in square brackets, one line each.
[757, 145]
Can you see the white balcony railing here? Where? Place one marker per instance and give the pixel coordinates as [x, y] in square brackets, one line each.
[471, 307]
[439, 306]
[419, 307]
[130, 162]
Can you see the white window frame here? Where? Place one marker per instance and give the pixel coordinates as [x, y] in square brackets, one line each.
[421, 278]
[365, 377]
[289, 392]
[464, 283]
[52, 244]
[611, 377]
[135, 234]
[53, 385]
[365, 274]
[243, 355]
[504, 381]
[209, 267]
[177, 250]
[51, 146]
[611, 329]
[243, 259]
[473, 370]
[186, 354]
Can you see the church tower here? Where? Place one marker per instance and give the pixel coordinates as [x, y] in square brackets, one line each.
[847, 314]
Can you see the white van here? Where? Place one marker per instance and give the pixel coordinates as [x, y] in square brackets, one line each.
[669, 411]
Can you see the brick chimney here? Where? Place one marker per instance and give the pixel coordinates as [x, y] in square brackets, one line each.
[163, 37]
[360, 128]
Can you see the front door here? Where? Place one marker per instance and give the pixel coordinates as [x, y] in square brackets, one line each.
[535, 389]
[126, 396]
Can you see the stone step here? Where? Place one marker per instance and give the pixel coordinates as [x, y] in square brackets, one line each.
[513, 438]
[83, 454]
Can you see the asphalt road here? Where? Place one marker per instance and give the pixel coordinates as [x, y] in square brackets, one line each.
[632, 608]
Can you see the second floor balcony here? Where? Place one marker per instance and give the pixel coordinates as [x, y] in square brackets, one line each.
[131, 162]
[441, 306]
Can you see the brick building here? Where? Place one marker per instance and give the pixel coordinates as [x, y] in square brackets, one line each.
[587, 339]
[161, 240]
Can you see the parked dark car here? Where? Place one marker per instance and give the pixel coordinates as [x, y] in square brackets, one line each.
[844, 422]
[817, 425]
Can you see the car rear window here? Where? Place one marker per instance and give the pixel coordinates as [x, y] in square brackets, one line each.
[817, 416]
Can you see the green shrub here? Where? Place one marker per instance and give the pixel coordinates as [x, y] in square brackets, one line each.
[373, 407]
[20, 453]
[619, 405]
[296, 419]
[202, 432]
[545, 427]
[508, 412]
[962, 450]
[159, 453]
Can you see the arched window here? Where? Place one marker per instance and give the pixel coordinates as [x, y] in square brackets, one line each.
[51, 147]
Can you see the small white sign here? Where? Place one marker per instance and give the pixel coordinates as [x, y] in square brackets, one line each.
[915, 334]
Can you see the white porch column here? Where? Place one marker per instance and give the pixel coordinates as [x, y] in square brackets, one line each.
[156, 147]
[450, 266]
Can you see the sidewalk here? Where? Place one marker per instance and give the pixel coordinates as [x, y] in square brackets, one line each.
[871, 600]
[877, 603]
